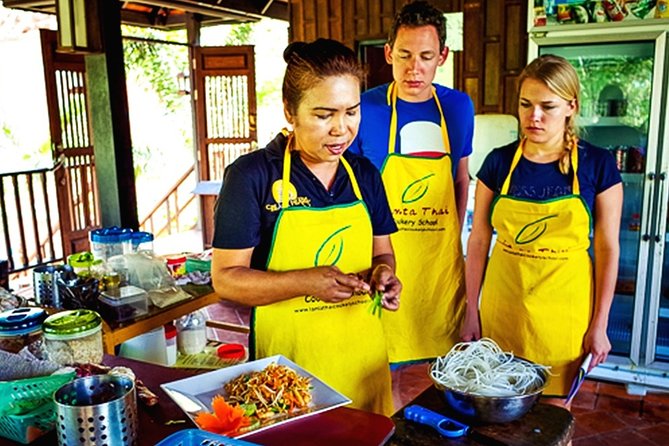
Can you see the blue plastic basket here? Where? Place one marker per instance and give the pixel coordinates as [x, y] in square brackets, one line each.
[197, 437]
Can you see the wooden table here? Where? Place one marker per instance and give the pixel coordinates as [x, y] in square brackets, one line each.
[542, 425]
[340, 426]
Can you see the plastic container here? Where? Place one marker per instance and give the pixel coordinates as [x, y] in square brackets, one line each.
[82, 262]
[197, 265]
[197, 437]
[148, 347]
[142, 242]
[176, 265]
[73, 336]
[28, 426]
[108, 242]
[124, 303]
[20, 327]
[191, 333]
[171, 344]
[232, 352]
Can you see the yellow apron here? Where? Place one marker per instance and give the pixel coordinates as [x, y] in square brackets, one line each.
[340, 343]
[428, 250]
[537, 298]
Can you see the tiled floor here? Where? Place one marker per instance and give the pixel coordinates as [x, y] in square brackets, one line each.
[605, 413]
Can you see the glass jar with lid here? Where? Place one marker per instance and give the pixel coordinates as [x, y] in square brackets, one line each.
[20, 327]
[191, 333]
[73, 336]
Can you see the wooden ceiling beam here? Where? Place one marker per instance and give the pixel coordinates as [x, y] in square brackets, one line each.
[212, 11]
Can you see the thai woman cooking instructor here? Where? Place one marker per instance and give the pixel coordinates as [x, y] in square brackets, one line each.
[545, 195]
[302, 233]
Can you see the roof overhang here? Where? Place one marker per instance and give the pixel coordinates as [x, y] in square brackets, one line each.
[171, 14]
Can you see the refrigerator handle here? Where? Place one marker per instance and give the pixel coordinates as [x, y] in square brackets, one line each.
[658, 224]
[646, 233]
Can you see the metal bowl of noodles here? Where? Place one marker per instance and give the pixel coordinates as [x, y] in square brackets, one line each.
[491, 404]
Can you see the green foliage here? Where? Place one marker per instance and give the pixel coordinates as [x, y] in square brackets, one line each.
[156, 63]
[240, 34]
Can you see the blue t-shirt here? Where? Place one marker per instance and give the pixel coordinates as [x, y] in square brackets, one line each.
[418, 129]
[246, 210]
[597, 172]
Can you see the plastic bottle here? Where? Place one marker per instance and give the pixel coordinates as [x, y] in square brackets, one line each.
[191, 333]
[171, 344]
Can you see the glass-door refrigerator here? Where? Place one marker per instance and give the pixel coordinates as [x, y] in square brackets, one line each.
[623, 73]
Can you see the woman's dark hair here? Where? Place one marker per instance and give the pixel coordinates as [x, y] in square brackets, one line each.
[416, 14]
[311, 62]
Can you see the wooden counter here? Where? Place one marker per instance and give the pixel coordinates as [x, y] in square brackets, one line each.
[543, 425]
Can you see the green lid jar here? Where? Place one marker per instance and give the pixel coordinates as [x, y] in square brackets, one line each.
[73, 336]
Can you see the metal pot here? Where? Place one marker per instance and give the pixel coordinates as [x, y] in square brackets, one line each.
[477, 409]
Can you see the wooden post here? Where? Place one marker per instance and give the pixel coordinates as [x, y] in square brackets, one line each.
[111, 127]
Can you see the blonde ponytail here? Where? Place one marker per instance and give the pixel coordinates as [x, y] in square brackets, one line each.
[570, 140]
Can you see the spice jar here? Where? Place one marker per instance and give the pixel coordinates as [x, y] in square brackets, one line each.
[191, 333]
[73, 336]
[20, 327]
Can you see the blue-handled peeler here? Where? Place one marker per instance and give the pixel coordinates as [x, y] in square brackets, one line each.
[446, 426]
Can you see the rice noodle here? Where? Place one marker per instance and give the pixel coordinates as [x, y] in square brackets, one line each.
[482, 368]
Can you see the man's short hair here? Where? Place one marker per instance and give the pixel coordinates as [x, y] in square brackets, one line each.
[419, 13]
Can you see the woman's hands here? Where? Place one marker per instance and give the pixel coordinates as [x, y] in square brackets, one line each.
[471, 326]
[596, 342]
[383, 279]
[330, 284]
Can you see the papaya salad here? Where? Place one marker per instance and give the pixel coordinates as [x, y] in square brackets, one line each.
[252, 397]
[277, 389]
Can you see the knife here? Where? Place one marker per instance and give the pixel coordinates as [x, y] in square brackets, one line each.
[189, 404]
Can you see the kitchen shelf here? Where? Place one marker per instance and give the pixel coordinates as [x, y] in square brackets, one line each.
[598, 27]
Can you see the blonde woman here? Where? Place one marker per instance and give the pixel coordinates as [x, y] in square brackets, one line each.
[540, 296]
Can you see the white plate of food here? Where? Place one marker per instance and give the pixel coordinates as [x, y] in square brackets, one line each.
[309, 395]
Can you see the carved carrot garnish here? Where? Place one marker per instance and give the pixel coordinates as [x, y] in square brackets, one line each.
[224, 420]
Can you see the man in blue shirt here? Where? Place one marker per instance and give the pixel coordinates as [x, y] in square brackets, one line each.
[419, 135]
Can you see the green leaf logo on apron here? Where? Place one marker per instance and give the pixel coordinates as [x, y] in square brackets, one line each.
[532, 231]
[416, 190]
[331, 249]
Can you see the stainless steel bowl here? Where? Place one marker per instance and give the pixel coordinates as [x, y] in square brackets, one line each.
[487, 409]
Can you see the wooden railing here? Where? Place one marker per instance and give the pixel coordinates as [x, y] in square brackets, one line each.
[172, 209]
[29, 219]
[30, 233]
